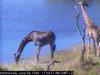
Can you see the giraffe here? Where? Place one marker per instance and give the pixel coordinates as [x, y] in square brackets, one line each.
[40, 39]
[92, 31]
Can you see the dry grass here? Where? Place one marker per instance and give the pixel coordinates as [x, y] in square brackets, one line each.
[70, 60]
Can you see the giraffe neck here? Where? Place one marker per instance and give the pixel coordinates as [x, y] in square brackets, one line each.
[88, 21]
[22, 45]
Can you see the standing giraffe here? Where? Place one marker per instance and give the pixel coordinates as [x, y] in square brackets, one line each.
[92, 31]
[40, 39]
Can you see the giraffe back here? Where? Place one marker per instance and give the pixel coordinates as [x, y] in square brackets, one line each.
[43, 38]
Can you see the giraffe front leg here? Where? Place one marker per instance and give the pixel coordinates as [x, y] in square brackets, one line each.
[52, 51]
[88, 50]
[37, 55]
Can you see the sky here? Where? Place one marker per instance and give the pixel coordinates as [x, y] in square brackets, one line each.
[19, 17]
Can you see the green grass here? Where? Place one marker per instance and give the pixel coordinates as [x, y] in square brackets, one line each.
[69, 58]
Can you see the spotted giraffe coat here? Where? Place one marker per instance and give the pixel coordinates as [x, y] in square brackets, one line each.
[39, 38]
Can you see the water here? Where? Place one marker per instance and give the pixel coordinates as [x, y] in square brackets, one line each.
[19, 17]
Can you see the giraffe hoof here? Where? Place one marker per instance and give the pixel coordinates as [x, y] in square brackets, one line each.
[34, 64]
[36, 61]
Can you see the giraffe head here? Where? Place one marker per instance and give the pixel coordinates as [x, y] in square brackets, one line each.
[83, 2]
[80, 2]
[16, 58]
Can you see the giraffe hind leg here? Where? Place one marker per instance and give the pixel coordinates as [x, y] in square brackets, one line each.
[98, 45]
[94, 45]
[53, 47]
[98, 49]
